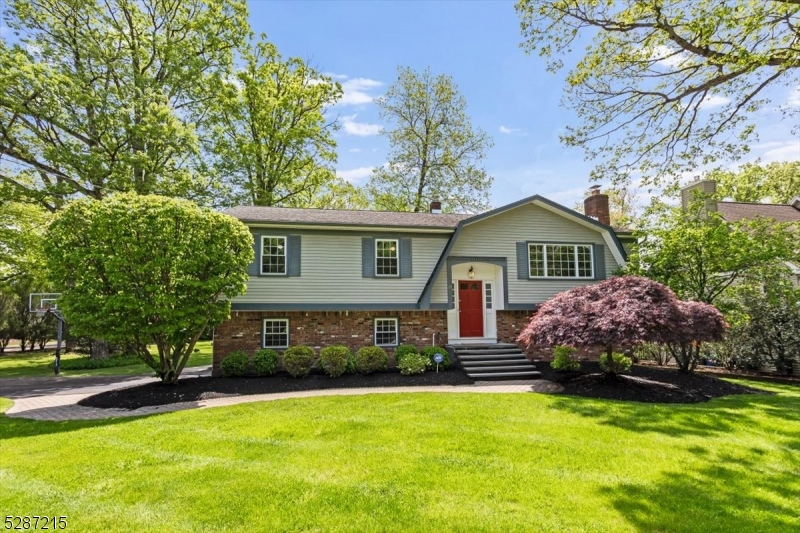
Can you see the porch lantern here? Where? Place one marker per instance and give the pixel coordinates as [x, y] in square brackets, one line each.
[471, 272]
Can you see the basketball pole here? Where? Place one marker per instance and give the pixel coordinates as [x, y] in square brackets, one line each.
[59, 335]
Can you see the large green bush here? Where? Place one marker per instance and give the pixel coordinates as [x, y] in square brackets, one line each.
[351, 368]
[265, 362]
[235, 364]
[563, 360]
[413, 363]
[333, 360]
[430, 351]
[403, 350]
[619, 363]
[370, 359]
[298, 361]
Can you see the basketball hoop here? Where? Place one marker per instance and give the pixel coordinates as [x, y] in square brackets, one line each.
[43, 303]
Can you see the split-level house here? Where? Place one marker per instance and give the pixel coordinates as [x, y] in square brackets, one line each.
[358, 278]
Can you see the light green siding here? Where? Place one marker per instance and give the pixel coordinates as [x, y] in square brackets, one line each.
[497, 237]
[331, 274]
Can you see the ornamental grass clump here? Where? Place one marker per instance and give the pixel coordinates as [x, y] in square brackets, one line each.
[370, 359]
[333, 359]
[298, 361]
[235, 364]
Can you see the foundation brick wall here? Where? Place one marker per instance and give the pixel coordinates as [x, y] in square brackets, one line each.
[511, 323]
[318, 329]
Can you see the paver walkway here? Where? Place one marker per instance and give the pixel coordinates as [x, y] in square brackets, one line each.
[62, 405]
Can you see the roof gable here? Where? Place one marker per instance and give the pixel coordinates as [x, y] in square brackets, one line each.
[340, 217]
[735, 211]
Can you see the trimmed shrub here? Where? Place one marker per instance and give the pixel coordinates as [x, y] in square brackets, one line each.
[266, 362]
[351, 368]
[298, 361]
[563, 360]
[370, 359]
[235, 364]
[619, 363]
[403, 350]
[413, 363]
[430, 351]
[333, 360]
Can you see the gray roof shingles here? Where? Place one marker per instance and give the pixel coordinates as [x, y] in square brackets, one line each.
[735, 211]
[338, 217]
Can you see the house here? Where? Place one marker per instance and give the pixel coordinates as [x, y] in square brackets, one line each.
[359, 278]
[736, 211]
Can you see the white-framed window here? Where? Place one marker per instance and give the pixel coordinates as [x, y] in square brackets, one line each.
[387, 254]
[489, 295]
[386, 332]
[561, 261]
[273, 255]
[275, 333]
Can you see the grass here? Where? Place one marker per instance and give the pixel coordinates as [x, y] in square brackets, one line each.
[36, 364]
[418, 462]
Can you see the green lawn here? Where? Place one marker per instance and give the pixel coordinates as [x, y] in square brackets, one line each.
[418, 462]
[17, 365]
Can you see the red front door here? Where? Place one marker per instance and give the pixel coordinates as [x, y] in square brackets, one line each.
[470, 308]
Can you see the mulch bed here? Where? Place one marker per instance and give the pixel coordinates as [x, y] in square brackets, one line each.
[646, 384]
[205, 388]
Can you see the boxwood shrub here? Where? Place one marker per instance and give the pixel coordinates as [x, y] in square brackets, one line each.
[619, 363]
[403, 350]
[413, 363]
[350, 368]
[265, 362]
[370, 359]
[563, 360]
[333, 359]
[430, 351]
[298, 361]
[235, 364]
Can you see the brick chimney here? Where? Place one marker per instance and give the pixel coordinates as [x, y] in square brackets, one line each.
[596, 206]
[436, 207]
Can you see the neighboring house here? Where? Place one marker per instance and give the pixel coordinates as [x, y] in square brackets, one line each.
[359, 278]
[735, 211]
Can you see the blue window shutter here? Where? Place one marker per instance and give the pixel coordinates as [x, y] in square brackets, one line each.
[599, 261]
[523, 267]
[254, 268]
[405, 258]
[367, 257]
[293, 261]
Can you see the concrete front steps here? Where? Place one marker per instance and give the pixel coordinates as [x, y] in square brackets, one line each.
[490, 362]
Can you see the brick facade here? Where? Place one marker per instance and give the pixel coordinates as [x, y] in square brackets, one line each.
[354, 329]
[318, 329]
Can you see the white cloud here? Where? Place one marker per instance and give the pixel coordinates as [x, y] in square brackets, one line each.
[782, 151]
[714, 101]
[362, 129]
[357, 91]
[335, 76]
[667, 56]
[355, 175]
[794, 98]
[508, 131]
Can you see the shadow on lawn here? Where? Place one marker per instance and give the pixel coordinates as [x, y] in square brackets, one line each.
[720, 415]
[727, 494]
[12, 427]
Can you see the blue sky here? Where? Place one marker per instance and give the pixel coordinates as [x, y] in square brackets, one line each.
[509, 94]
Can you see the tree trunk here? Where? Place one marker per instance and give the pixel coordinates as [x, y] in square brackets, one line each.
[610, 372]
[99, 349]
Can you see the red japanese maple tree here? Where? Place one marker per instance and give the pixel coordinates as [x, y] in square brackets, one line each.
[621, 311]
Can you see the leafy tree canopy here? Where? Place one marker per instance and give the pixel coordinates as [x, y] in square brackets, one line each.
[777, 183]
[435, 153]
[147, 270]
[99, 97]
[270, 138]
[665, 86]
[699, 255]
